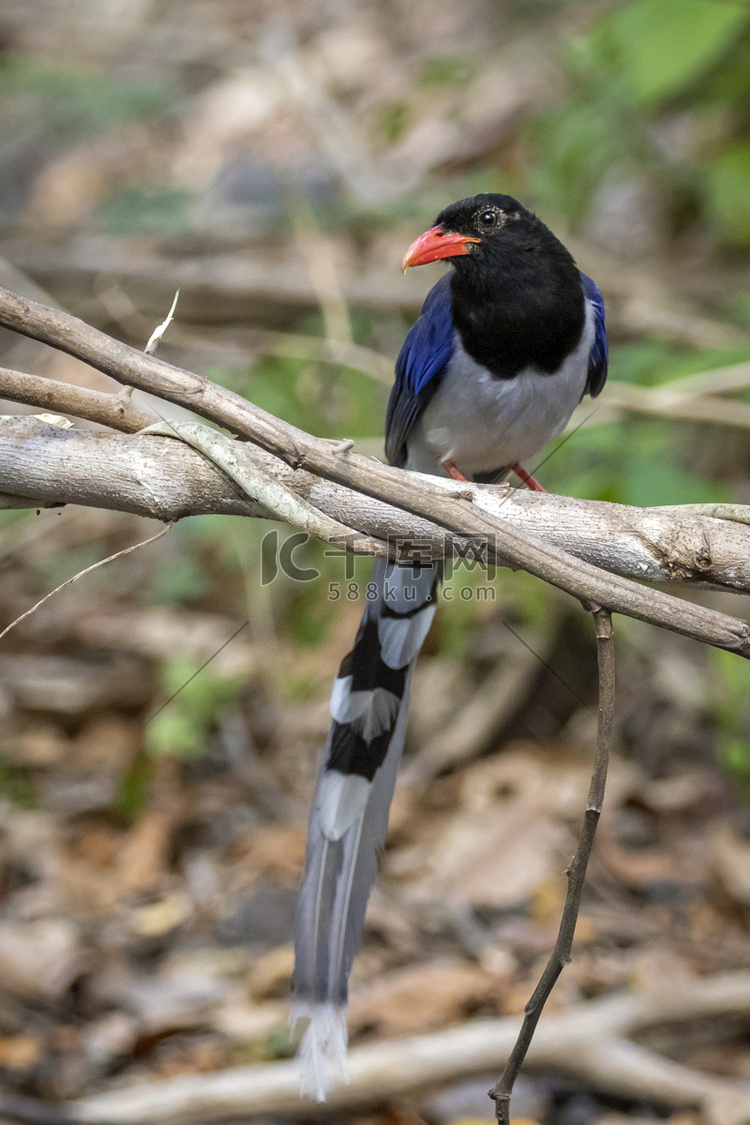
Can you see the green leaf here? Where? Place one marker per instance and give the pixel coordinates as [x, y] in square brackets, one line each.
[728, 192]
[665, 45]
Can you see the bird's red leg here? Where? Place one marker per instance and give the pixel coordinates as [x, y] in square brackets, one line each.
[452, 471]
[527, 478]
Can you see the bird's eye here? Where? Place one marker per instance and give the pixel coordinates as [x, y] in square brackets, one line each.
[488, 219]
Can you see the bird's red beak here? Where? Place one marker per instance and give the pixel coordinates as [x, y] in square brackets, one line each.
[435, 244]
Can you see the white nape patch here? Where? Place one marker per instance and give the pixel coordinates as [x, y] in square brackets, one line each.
[322, 1050]
[481, 423]
[369, 713]
[401, 638]
[340, 801]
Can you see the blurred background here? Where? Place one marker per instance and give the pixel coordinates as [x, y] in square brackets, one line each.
[273, 161]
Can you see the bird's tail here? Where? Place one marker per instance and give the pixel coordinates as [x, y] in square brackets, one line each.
[369, 706]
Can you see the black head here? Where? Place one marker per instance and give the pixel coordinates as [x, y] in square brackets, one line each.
[501, 226]
[484, 235]
[516, 292]
[482, 215]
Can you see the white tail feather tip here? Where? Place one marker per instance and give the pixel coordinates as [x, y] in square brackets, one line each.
[322, 1050]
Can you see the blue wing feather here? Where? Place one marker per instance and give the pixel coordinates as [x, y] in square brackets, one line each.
[599, 357]
[423, 358]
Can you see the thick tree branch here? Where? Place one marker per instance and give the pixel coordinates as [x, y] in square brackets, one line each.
[464, 510]
[284, 472]
[64, 398]
[42, 465]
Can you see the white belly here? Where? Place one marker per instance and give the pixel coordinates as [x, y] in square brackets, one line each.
[482, 423]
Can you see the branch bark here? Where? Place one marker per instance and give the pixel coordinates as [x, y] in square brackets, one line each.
[465, 510]
[42, 465]
[167, 480]
[592, 1041]
[64, 398]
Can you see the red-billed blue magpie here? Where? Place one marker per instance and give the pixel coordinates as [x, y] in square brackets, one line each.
[505, 348]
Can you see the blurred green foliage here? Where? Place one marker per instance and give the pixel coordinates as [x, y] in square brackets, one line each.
[665, 47]
[728, 192]
[17, 786]
[660, 87]
[132, 795]
[323, 399]
[196, 697]
[392, 121]
[156, 211]
[70, 102]
[732, 711]
[640, 461]
[446, 70]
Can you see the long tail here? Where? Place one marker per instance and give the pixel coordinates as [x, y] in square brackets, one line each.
[369, 706]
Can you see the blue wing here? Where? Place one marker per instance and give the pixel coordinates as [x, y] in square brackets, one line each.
[599, 357]
[423, 358]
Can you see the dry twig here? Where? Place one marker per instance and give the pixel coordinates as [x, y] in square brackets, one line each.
[81, 574]
[561, 954]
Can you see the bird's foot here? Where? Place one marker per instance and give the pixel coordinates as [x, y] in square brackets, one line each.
[527, 478]
[452, 471]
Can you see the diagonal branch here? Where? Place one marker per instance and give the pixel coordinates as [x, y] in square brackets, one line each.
[280, 470]
[41, 465]
[461, 510]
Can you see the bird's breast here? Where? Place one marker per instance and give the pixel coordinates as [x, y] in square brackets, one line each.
[482, 423]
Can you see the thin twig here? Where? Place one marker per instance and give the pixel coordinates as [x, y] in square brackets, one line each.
[158, 332]
[716, 381]
[317, 252]
[81, 573]
[561, 954]
[662, 402]
[197, 672]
